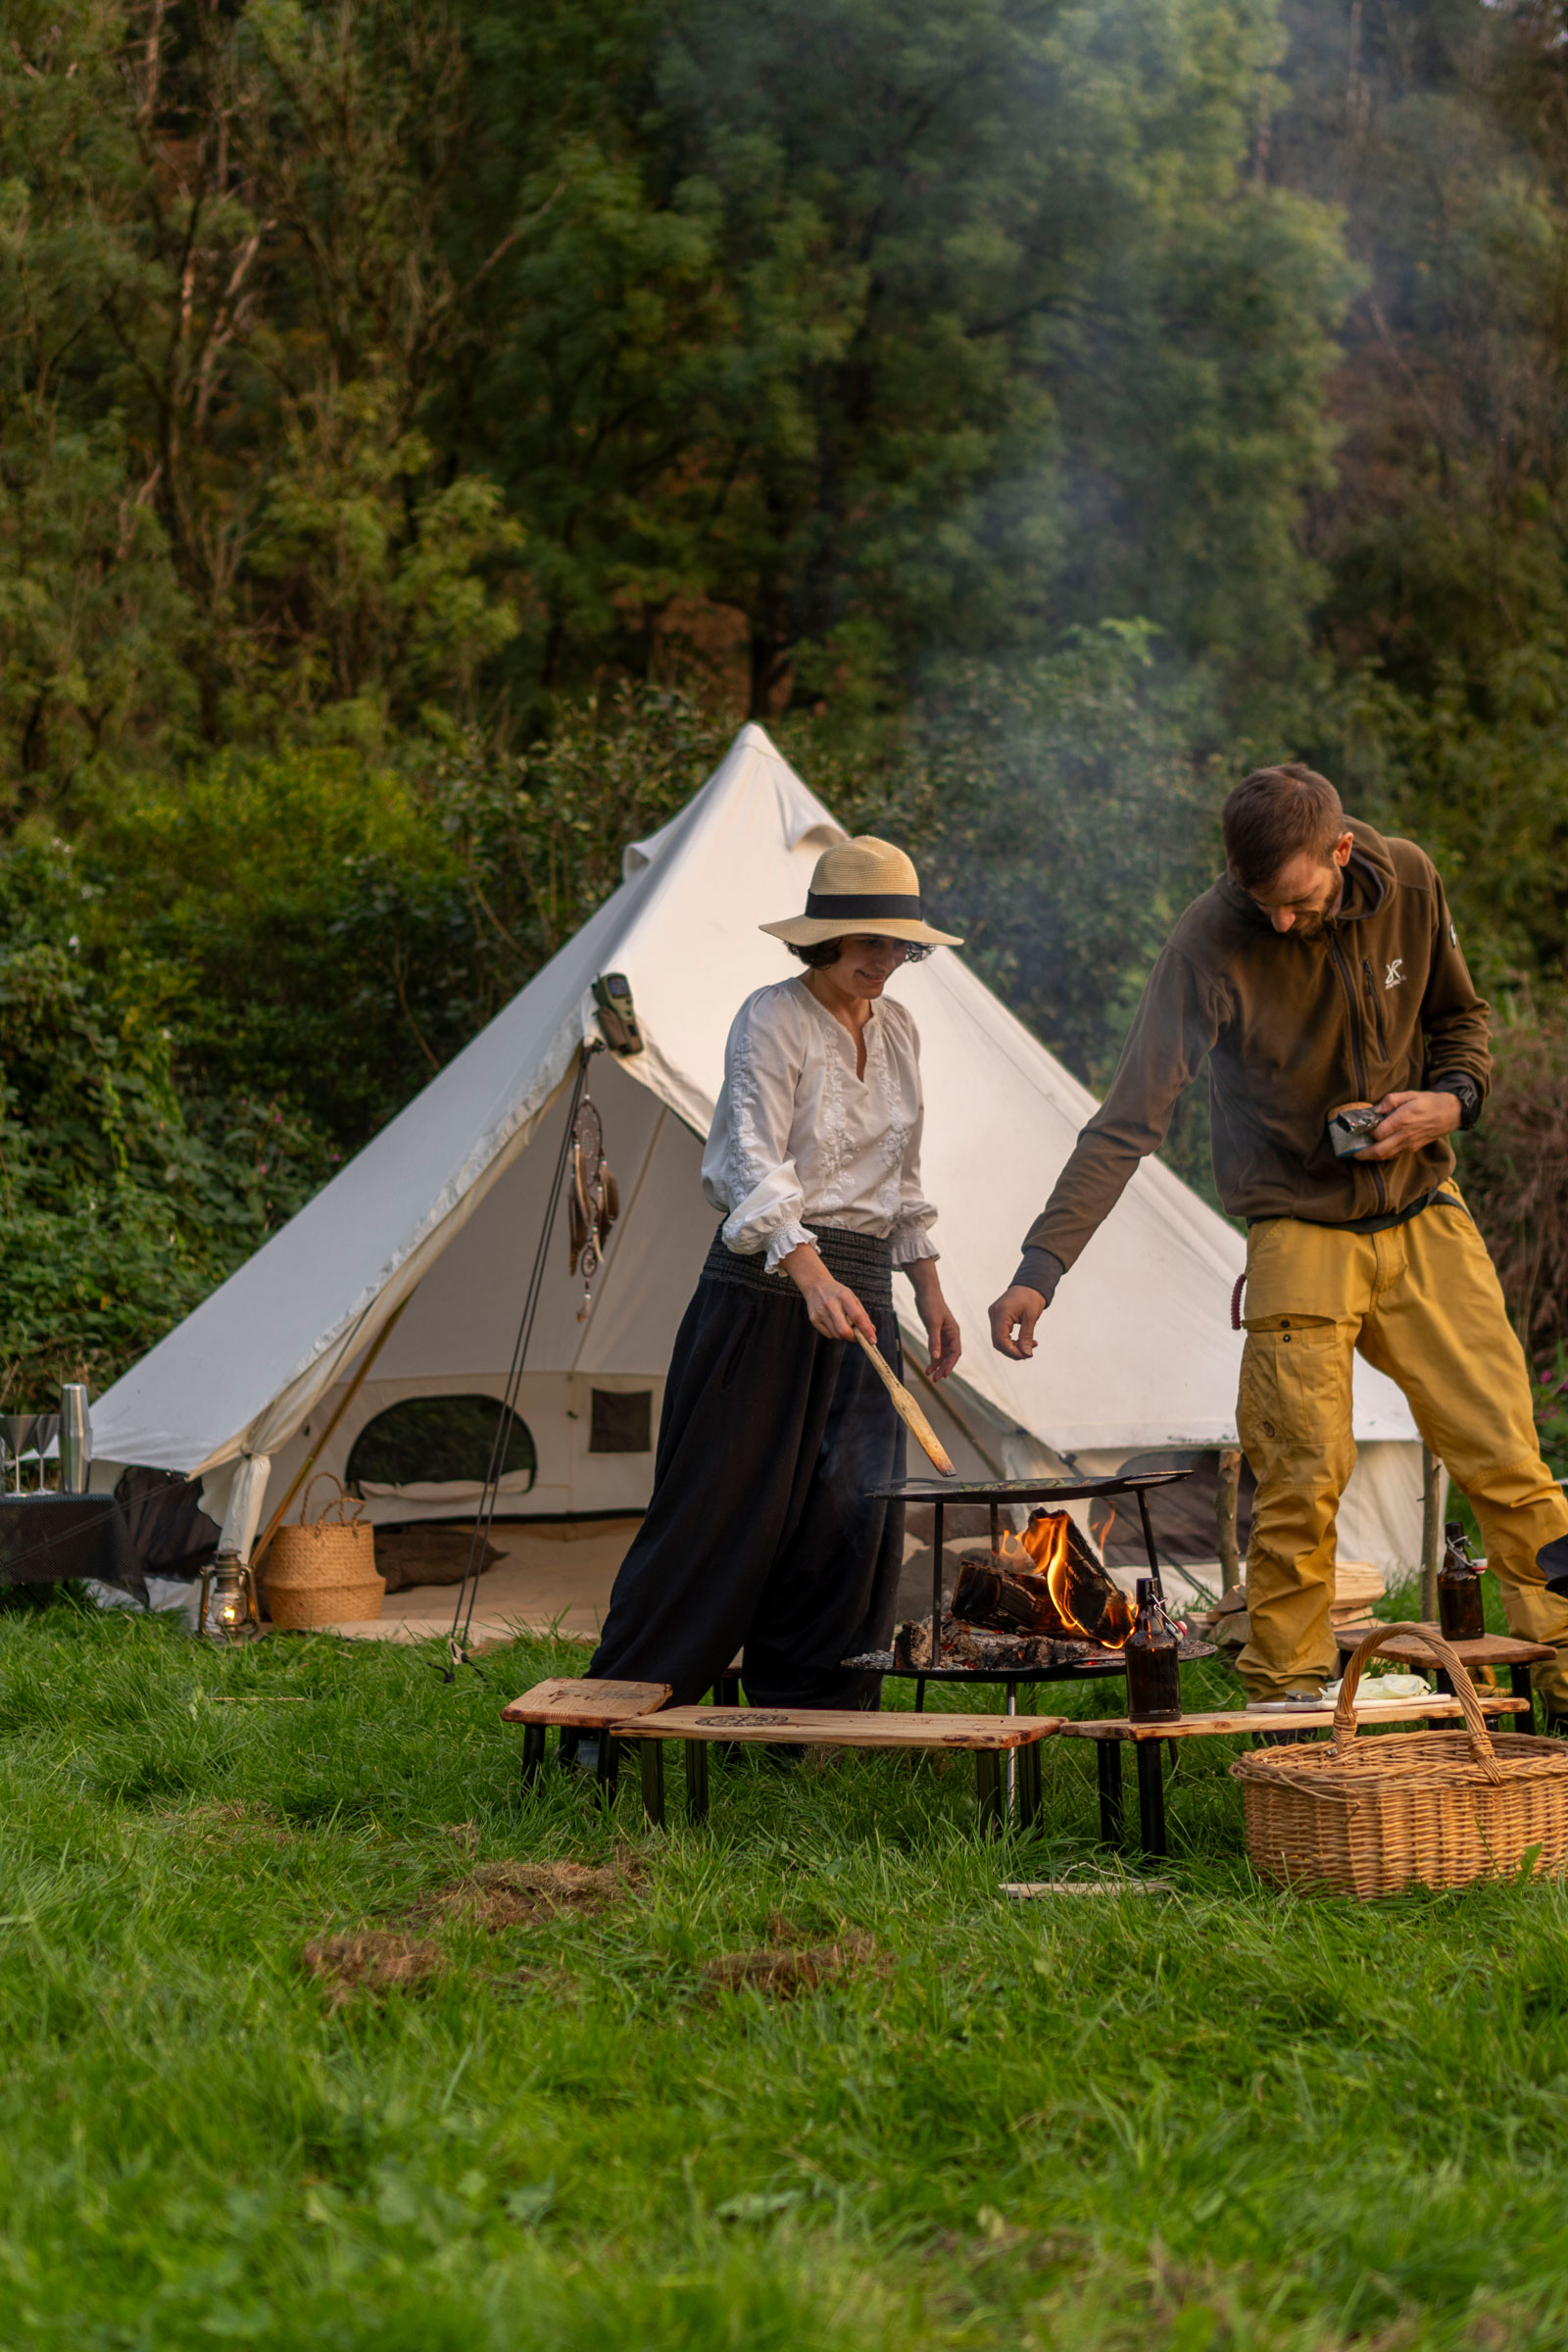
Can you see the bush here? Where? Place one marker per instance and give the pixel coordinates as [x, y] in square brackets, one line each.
[1515, 1173]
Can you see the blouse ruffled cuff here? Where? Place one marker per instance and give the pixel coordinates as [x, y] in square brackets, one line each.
[788, 1238]
[912, 1240]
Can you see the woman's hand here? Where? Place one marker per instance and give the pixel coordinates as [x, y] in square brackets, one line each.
[834, 1309]
[941, 1333]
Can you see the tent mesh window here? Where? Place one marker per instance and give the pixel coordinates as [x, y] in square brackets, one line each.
[438, 1440]
[621, 1423]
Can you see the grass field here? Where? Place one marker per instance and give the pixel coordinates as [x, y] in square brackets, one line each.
[1208, 2117]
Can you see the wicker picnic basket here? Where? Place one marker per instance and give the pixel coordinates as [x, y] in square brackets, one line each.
[1368, 1817]
[322, 1572]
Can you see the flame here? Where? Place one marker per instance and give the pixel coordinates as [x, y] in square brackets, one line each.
[1047, 1549]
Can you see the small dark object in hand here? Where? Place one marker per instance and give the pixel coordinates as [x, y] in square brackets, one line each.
[1350, 1128]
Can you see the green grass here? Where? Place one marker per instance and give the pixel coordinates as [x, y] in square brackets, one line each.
[1211, 2119]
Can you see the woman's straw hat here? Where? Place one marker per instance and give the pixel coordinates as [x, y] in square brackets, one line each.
[863, 886]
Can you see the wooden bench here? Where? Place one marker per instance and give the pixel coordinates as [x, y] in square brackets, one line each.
[642, 1716]
[1111, 1736]
[1481, 1649]
[567, 1705]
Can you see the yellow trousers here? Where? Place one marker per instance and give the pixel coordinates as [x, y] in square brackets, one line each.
[1421, 1302]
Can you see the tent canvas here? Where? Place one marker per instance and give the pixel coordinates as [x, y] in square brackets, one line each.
[440, 1215]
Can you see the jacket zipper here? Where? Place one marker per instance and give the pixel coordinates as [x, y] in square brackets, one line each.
[1377, 1010]
[1357, 1062]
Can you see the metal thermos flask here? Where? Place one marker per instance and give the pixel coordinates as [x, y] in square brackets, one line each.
[75, 1439]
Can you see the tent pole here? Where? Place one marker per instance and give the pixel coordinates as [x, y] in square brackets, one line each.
[347, 1398]
[1226, 1496]
[1431, 1532]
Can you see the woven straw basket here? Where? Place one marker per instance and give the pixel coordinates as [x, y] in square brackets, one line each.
[323, 1573]
[1368, 1817]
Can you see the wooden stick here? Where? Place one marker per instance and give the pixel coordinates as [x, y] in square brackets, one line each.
[908, 1412]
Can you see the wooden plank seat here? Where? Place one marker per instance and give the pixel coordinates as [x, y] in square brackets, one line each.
[1481, 1649]
[988, 1738]
[1114, 1732]
[643, 1717]
[569, 1704]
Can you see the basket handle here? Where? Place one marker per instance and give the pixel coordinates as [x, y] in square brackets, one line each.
[341, 1505]
[1429, 1640]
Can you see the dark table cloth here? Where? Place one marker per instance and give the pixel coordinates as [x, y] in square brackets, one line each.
[48, 1538]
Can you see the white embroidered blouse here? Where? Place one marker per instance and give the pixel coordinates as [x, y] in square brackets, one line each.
[799, 1136]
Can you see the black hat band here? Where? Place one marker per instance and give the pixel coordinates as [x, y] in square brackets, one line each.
[827, 907]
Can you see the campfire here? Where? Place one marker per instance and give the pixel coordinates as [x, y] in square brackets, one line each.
[1047, 1583]
[1040, 1599]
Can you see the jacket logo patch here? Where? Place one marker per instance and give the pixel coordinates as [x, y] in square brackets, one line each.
[1393, 977]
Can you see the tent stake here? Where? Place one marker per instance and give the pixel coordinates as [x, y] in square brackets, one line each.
[349, 1394]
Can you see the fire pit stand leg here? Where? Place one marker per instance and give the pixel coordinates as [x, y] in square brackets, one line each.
[533, 1752]
[1028, 1785]
[697, 1779]
[1148, 1546]
[1107, 1757]
[937, 1510]
[1151, 1796]
[650, 1756]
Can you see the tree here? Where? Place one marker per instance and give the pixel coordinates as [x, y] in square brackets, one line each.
[882, 330]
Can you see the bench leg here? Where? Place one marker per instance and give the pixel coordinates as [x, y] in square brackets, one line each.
[1029, 1786]
[608, 1774]
[1151, 1797]
[1107, 1761]
[650, 1756]
[533, 1752]
[1519, 1684]
[696, 1779]
[988, 1788]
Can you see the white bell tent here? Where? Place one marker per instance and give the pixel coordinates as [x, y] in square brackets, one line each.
[440, 1216]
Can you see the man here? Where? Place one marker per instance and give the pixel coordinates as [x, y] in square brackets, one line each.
[1324, 968]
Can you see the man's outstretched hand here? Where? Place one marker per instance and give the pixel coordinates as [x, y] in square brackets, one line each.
[1013, 1318]
[1024, 1301]
[1409, 1120]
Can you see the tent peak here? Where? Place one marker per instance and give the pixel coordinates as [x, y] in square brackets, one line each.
[801, 818]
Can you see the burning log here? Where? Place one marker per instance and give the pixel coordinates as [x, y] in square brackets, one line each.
[1012, 1599]
[1047, 1583]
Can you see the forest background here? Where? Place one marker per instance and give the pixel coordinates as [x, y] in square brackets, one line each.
[426, 432]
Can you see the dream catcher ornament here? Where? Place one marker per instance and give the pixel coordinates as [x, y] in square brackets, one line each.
[593, 1199]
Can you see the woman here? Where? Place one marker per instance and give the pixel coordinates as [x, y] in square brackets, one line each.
[760, 1530]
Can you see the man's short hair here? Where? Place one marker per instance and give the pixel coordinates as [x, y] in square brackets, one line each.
[1273, 815]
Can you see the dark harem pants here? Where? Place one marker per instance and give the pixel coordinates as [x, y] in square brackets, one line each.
[760, 1530]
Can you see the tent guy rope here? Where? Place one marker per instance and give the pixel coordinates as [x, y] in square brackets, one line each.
[479, 1542]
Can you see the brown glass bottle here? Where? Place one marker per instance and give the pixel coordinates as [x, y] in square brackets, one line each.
[1153, 1661]
[1460, 1607]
